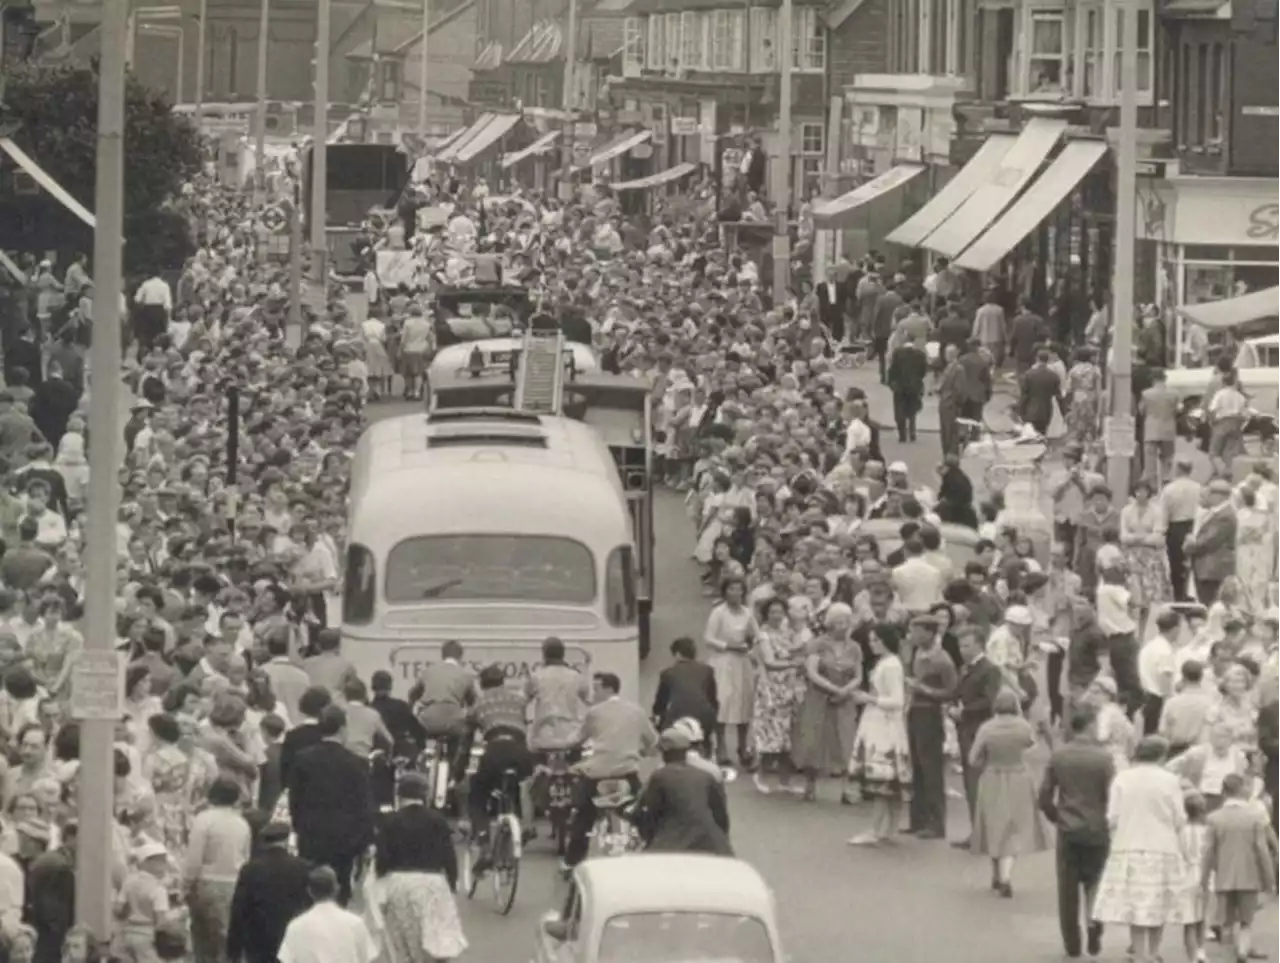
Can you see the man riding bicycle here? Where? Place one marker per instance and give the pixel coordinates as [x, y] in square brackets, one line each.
[448, 691]
[620, 734]
[683, 808]
[498, 718]
[560, 696]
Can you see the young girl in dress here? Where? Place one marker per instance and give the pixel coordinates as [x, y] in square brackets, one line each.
[1194, 836]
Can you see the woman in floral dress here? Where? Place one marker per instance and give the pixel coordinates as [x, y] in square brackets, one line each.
[779, 687]
[1255, 551]
[169, 770]
[1083, 389]
[52, 647]
[880, 761]
[1142, 536]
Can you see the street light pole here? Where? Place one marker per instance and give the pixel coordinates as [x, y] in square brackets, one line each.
[782, 163]
[96, 774]
[570, 99]
[201, 39]
[320, 139]
[260, 139]
[424, 69]
[1119, 459]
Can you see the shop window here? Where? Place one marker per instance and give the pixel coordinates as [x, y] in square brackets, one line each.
[808, 40]
[360, 586]
[1046, 52]
[633, 46]
[620, 587]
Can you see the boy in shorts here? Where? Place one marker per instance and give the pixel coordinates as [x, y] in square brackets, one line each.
[1239, 858]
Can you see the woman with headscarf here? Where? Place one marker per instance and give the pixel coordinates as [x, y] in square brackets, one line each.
[417, 876]
[1144, 880]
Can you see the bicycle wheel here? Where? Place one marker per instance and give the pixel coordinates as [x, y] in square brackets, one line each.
[505, 873]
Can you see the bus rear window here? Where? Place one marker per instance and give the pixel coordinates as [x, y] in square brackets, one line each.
[500, 568]
[359, 586]
[620, 587]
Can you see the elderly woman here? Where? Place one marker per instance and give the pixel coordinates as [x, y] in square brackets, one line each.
[1144, 879]
[1006, 818]
[827, 720]
[730, 637]
[1204, 766]
[417, 869]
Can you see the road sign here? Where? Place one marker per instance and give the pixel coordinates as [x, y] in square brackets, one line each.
[1119, 436]
[97, 686]
[275, 219]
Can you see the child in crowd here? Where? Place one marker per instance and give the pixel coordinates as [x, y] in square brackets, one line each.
[1238, 859]
[1194, 838]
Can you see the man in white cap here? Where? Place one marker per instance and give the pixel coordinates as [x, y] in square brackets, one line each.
[1007, 646]
[144, 903]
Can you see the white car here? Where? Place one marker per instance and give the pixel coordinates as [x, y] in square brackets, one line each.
[1258, 365]
[497, 353]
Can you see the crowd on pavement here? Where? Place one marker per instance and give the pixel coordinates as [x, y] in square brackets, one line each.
[246, 804]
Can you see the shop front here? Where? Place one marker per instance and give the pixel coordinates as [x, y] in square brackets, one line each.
[1208, 239]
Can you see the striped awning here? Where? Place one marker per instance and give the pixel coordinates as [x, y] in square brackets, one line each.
[618, 147]
[539, 146]
[497, 128]
[654, 180]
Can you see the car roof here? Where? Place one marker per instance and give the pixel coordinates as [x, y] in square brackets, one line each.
[672, 882]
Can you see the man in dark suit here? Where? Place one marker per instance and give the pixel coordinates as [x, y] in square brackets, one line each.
[979, 684]
[977, 380]
[1041, 389]
[1026, 334]
[1074, 798]
[683, 809]
[270, 891]
[831, 306]
[1212, 546]
[908, 368]
[686, 689]
[305, 732]
[331, 801]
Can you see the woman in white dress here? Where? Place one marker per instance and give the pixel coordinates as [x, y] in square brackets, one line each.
[730, 636]
[376, 358]
[1255, 551]
[880, 761]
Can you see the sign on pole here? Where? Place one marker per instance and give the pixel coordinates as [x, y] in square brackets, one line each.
[1119, 436]
[275, 219]
[97, 686]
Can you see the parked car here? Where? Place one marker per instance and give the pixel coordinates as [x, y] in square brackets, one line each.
[1258, 364]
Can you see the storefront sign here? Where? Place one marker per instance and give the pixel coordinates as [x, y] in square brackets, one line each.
[684, 126]
[1264, 223]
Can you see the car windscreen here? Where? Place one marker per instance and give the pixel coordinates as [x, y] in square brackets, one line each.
[485, 567]
[685, 937]
[474, 327]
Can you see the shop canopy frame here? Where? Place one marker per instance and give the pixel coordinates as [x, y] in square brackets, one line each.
[1039, 201]
[536, 149]
[1231, 312]
[660, 179]
[447, 155]
[498, 128]
[1014, 172]
[841, 212]
[984, 163]
[618, 147]
[46, 181]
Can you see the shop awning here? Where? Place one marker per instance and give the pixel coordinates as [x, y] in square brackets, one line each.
[618, 147]
[955, 192]
[448, 142]
[497, 128]
[539, 146]
[42, 177]
[654, 180]
[450, 153]
[1015, 171]
[838, 213]
[1253, 306]
[1050, 188]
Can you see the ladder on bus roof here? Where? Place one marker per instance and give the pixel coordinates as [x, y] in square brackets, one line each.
[540, 372]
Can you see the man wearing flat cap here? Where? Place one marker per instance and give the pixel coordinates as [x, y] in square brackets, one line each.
[683, 808]
[270, 891]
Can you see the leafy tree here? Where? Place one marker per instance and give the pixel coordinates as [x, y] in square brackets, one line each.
[57, 110]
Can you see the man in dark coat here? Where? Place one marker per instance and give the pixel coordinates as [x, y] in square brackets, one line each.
[1026, 334]
[51, 896]
[53, 405]
[831, 306]
[1041, 389]
[24, 353]
[686, 689]
[270, 891]
[951, 400]
[907, 371]
[980, 682]
[977, 380]
[683, 809]
[331, 801]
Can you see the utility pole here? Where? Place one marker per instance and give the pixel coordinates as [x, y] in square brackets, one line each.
[570, 104]
[260, 135]
[424, 69]
[1119, 439]
[782, 163]
[295, 251]
[97, 732]
[201, 40]
[319, 144]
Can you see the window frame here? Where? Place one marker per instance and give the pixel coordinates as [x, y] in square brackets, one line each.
[349, 569]
[764, 28]
[1146, 75]
[807, 128]
[693, 41]
[655, 58]
[808, 41]
[624, 555]
[634, 45]
[726, 40]
[673, 41]
[1035, 15]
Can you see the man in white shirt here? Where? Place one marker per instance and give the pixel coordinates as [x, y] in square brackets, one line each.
[327, 933]
[153, 303]
[12, 895]
[857, 436]
[1228, 411]
[416, 337]
[1157, 670]
[916, 581]
[1180, 500]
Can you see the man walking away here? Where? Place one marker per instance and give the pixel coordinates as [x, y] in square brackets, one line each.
[327, 933]
[1180, 500]
[977, 366]
[153, 303]
[1041, 389]
[990, 329]
[1027, 333]
[907, 371]
[951, 401]
[1158, 407]
[886, 314]
[1074, 797]
[932, 683]
[979, 683]
[270, 891]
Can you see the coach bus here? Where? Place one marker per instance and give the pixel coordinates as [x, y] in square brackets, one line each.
[494, 527]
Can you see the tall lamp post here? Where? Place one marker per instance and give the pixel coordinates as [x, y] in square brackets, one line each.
[1120, 435]
[260, 135]
[424, 69]
[96, 775]
[782, 164]
[319, 141]
[201, 42]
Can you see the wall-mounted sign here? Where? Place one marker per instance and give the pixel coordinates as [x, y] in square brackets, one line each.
[684, 126]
